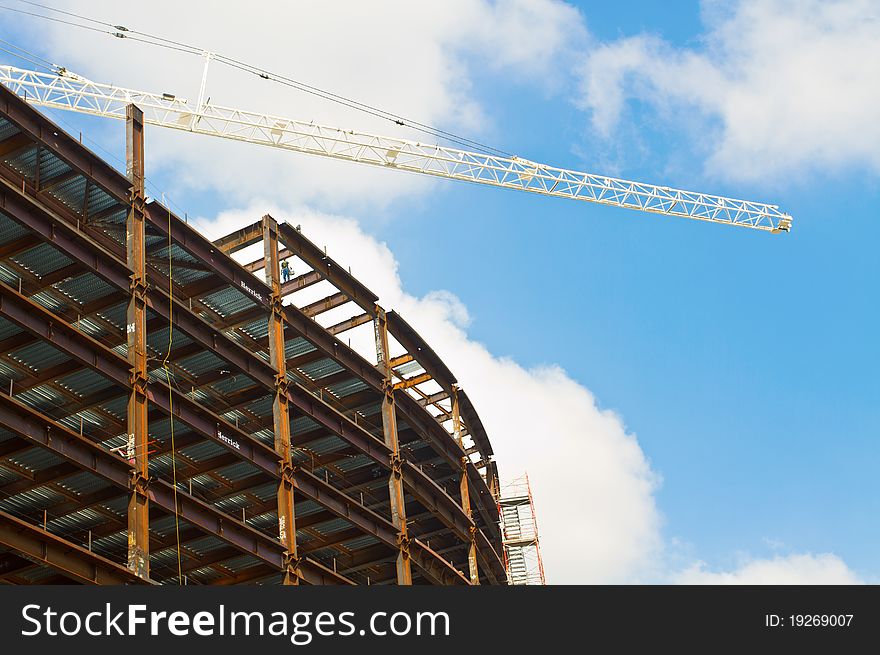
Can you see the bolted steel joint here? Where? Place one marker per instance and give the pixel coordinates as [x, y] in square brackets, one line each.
[403, 544]
[137, 559]
[290, 561]
[139, 381]
[276, 305]
[396, 466]
[290, 564]
[287, 470]
[139, 483]
[137, 284]
[135, 195]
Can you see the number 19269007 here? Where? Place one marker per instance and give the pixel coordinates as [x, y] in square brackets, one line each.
[820, 620]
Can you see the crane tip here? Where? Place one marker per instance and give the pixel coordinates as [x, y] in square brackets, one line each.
[784, 225]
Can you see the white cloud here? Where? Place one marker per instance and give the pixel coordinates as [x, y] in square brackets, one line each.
[783, 87]
[415, 59]
[594, 488]
[800, 569]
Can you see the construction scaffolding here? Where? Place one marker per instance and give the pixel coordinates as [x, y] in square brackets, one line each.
[173, 412]
[519, 526]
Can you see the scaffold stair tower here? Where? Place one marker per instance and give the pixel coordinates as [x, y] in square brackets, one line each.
[519, 526]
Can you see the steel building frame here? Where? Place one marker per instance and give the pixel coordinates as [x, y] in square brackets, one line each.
[166, 416]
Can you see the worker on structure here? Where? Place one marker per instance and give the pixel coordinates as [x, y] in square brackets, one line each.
[285, 271]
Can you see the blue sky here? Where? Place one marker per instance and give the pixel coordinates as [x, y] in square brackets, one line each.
[745, 363]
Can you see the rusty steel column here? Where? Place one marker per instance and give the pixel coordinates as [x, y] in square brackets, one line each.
[136, 333]
[494, 484]
[465, 492]
[280, 409]
[389, 430]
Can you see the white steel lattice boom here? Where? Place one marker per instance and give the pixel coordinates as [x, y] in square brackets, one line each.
[67, 91]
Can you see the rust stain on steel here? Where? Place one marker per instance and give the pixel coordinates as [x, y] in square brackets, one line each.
[389, 431]
[465, 492]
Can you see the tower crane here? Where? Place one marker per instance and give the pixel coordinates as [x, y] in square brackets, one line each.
[65, 90]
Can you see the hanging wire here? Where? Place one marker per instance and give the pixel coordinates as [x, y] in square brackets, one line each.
[360, 106]
[27, 56]
[124, 32]
[170, 400]
[51, 18]
[30, 53]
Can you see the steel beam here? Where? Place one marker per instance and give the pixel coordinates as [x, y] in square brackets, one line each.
[10, 564]
[21, 244]
[258, 264]
[40, 129]
[329, 269]
[400, 360]
[52, 182]
[475, 426]
[71, 561]
[465, 494]
[246, 236]
[433, 399]
[344, 326]
[420, 350]
[324, 305]
[432, 564]
[280, 411]
[40, 322]
[389, 431]
[343, 506]
[416, 380]
[15, 143]
[136, 331]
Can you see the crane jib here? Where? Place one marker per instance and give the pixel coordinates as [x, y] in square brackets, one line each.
[67, 91]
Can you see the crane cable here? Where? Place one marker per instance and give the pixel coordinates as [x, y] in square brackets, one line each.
[28, 56]
[124, 32]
